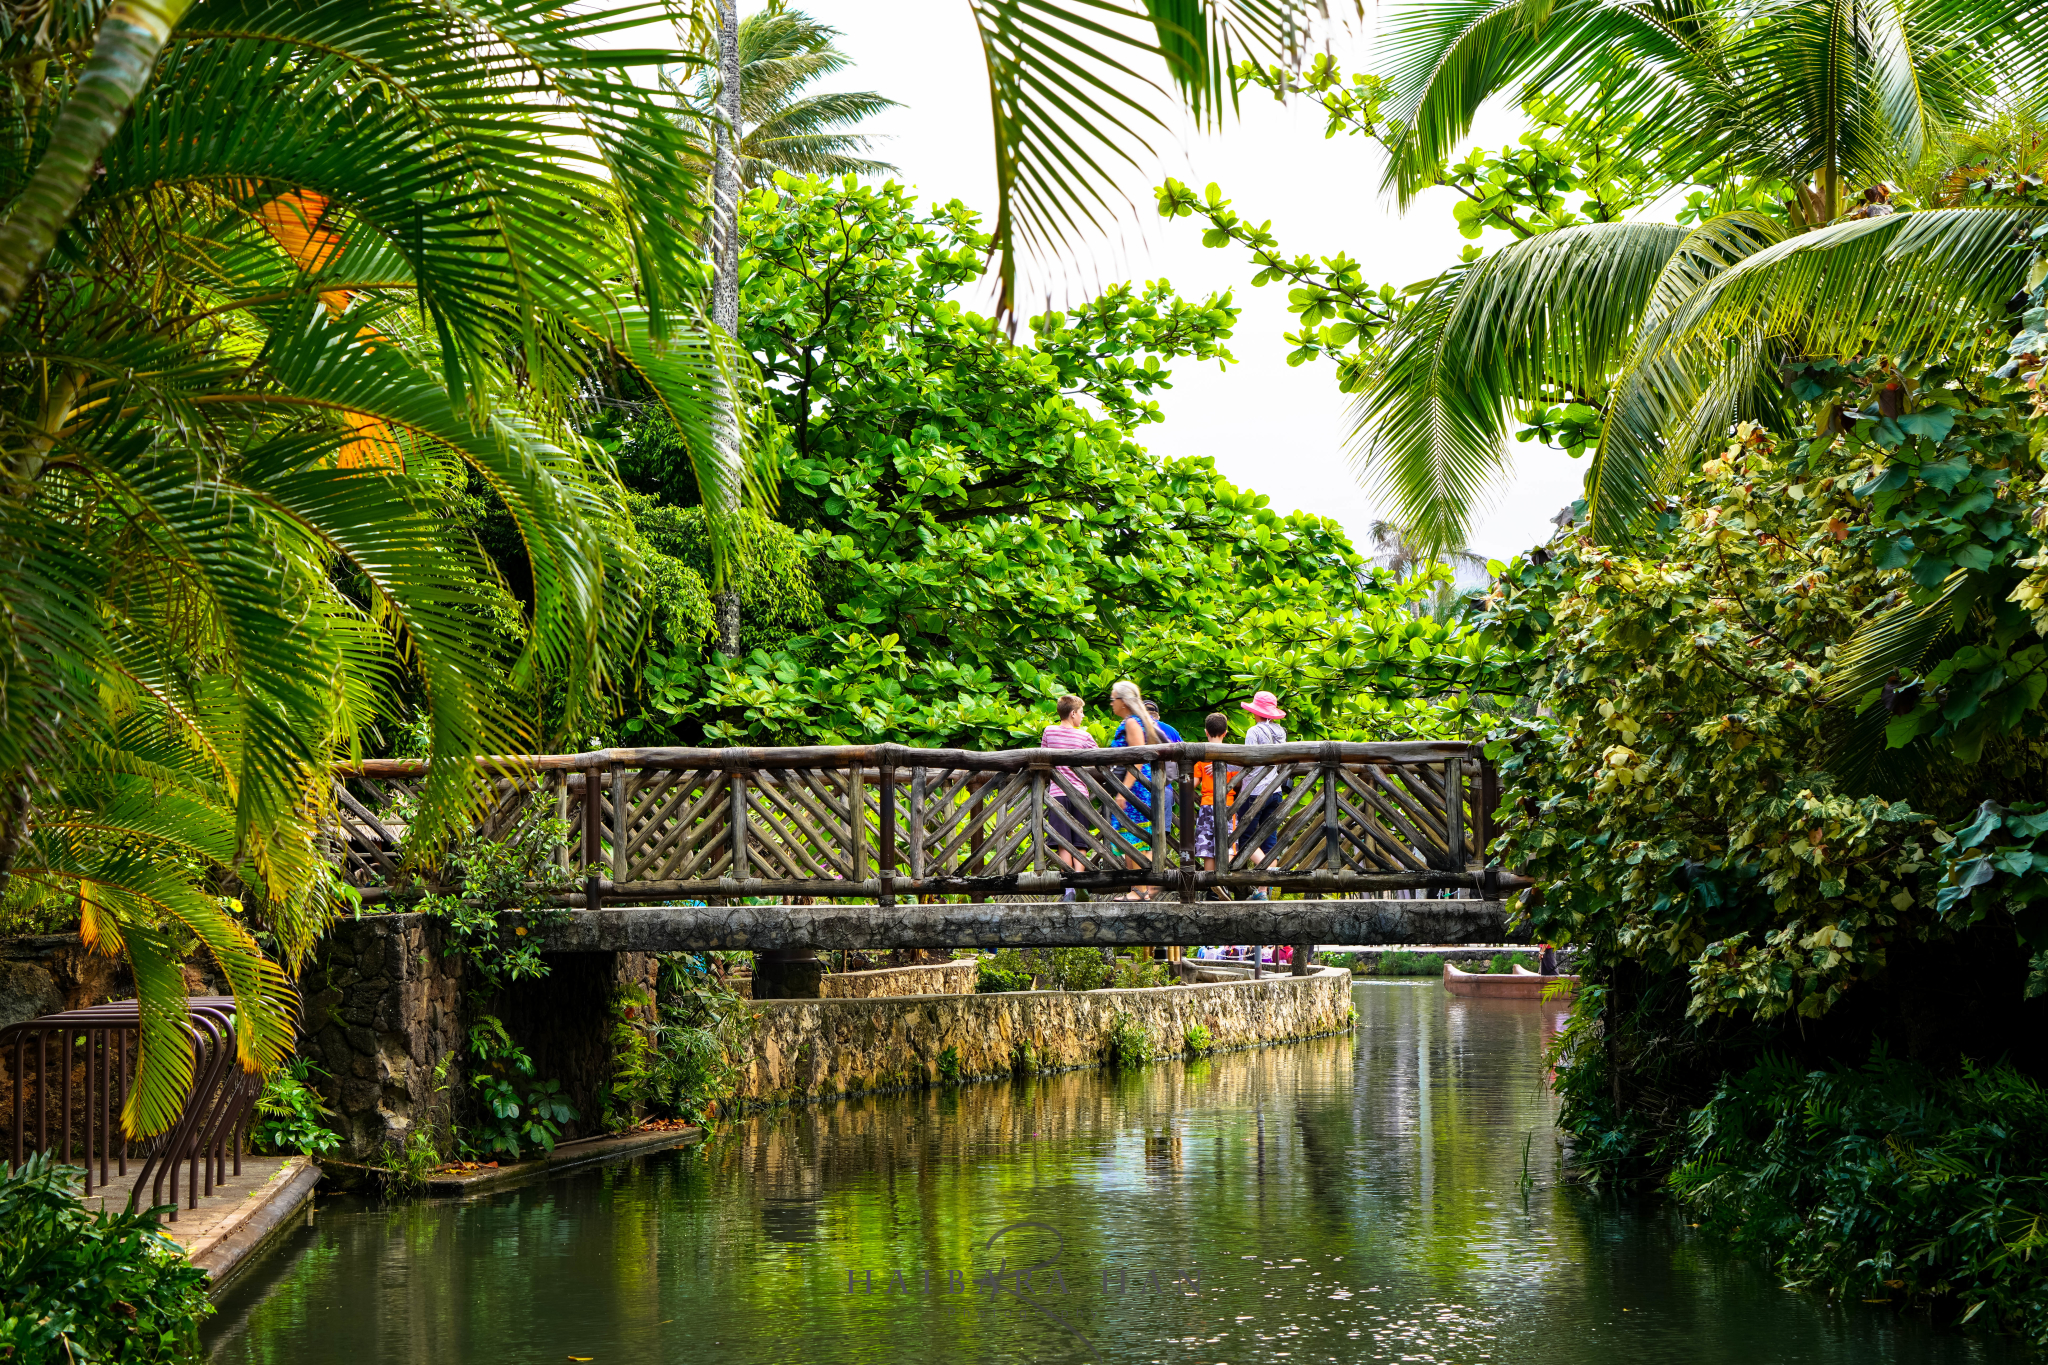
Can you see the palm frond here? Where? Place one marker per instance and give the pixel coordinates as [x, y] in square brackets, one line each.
[1071, 102]
[1541, 319]
[1917, 285]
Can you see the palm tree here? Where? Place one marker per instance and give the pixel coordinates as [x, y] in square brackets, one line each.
[1403, 554]
[762, 122]
[249, 362]
[1832, 92]
[781, 52]
[1817, 93]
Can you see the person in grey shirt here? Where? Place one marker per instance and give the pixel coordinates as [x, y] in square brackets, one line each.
[1261, 796]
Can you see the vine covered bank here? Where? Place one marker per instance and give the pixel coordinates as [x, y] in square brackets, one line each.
[1786, 789]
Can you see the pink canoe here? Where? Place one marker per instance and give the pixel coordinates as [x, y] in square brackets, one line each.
[1519, 984]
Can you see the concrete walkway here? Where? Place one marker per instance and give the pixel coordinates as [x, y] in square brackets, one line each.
[236, 1222]
[190, 1223]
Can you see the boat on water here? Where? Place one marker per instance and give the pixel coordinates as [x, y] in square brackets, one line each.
[1518, 984]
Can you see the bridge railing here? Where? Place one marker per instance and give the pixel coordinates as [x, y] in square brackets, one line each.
[874, 822]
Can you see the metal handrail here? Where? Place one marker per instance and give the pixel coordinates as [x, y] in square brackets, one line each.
[97, 1046]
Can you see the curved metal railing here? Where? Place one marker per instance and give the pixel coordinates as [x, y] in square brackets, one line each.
[69, 1074]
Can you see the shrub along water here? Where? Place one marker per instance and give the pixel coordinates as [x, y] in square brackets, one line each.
[1128, 1045]
[1068, 969]
[79, 1286]
[1781, 785]
[1409, 964]
[1887, 1181]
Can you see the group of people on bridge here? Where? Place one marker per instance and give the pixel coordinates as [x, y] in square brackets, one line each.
[1255, 796]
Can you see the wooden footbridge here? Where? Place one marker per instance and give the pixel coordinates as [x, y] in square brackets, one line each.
[890, 846]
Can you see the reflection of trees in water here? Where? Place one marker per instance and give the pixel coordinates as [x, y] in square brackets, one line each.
[1312, 1150]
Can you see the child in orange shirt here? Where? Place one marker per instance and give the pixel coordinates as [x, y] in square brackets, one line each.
[1216, 727]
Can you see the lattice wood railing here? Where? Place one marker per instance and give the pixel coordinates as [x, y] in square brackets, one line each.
[875, 822]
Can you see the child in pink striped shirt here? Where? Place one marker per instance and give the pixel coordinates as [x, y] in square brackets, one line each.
[1068, 798]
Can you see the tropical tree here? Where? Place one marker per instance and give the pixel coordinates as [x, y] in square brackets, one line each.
[781, 52]
[1619, 319]
[243, 386]
[984, 528]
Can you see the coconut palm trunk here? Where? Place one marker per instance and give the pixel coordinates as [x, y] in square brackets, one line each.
[725, 294]
[123, 55]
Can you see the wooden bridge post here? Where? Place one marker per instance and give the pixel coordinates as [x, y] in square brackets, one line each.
[620, 824]
[916, 841]
[1190, 865]
[1158, 822]
[885, 854]
[736, 779]
[560, 781]
[1454, 813]
[1038, 820]
[977, 834]
[1333, 852]
[593, 839]
[857, 823]
[1484, 798]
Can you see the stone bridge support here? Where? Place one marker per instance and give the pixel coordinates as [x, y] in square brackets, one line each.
[387, 1010]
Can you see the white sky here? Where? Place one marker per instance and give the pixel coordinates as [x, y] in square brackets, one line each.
[1269, 427]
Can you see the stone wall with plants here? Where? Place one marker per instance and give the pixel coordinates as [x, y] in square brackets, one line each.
[823, 1049]
[382, 1028]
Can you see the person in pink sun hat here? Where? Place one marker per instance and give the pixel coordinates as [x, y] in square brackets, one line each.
[1265, 706]
[1261, 796]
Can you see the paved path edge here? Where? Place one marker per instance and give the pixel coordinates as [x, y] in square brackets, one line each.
[256, 1225]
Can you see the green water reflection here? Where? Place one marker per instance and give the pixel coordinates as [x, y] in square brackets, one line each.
[1349, 1199]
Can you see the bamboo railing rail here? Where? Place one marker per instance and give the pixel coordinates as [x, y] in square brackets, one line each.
[875, 822]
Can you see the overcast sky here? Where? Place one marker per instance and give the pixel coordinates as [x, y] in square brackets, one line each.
[1276, 429]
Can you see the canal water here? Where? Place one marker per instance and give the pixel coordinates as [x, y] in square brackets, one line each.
[1391, 1195]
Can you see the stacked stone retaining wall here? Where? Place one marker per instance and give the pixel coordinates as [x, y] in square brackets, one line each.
[806, 1050]
[927, 978]
[46, 973]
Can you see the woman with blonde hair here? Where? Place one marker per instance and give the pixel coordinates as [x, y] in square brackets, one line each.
[1135, 726]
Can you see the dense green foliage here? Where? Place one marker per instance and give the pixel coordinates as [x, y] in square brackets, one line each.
[78, 1286]
[1784, 790]
[1760, 722]
[1126, 1046]
[986, 532]
[492, 890]
[1888, 1182]
[246, 391]
[696, 1045]
[514, 1109]
[1409, 964]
